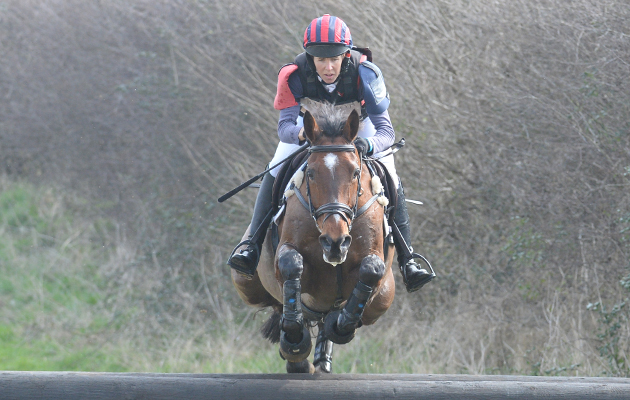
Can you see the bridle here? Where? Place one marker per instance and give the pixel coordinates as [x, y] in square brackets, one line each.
[347, 213]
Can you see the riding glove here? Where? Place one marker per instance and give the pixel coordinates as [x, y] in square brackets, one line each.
[364, 146]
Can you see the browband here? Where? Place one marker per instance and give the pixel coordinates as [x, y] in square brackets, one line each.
[331, 148]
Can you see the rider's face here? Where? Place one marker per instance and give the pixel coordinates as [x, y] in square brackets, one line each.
[328, 68]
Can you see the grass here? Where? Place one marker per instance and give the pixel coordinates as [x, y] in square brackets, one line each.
[64, 306]
[50, 289]
[75, 295]
[71, 298]
[19, 353]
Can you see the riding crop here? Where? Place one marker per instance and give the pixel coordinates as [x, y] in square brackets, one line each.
[393, 149]
[252, 180]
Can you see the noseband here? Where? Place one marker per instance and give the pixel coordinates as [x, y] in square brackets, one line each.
[345, 211]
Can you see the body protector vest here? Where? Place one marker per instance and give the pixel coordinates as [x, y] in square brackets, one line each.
[355, 70]
[347, 89]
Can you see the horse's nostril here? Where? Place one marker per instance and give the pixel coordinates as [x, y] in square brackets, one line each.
[326, 242]
[346, 242]
[338, 246]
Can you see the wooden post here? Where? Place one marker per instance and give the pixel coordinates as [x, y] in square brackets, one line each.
[106, 386]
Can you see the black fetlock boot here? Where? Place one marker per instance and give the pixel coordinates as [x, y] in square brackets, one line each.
[246, 261]
[414, 276]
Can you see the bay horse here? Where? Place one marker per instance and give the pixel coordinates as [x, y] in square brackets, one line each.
[332, 266]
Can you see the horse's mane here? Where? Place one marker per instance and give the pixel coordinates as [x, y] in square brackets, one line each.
[330, 118]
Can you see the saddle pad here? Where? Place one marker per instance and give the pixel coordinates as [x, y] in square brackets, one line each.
[284, 176]
[388, 184]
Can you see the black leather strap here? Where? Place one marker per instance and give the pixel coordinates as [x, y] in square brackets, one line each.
[331, 148]
[367, 205]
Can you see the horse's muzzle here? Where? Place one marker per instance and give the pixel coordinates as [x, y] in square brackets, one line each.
[335, 250]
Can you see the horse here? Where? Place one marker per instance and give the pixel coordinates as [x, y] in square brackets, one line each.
[332, 266]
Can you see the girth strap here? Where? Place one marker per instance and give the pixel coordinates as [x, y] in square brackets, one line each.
[339, 299]
[318, 316]
[312, 315]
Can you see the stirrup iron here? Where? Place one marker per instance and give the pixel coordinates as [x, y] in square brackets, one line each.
[424, 281]
[240, 269]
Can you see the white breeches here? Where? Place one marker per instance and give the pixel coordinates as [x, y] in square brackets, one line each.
[365, 130]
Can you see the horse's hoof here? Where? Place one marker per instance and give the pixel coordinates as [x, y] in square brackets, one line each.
[323, 367]
[296, 352]
[322, 357]
[330, 329]
[300, 367]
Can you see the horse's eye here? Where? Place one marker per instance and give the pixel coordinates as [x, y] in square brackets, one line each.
[309, 174]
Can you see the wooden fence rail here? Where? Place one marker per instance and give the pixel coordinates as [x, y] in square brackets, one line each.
[106, 386]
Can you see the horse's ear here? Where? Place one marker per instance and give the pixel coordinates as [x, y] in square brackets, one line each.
[310, 127]
[351, 128]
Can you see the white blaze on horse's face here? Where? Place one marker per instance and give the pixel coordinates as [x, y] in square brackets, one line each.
[331, 160]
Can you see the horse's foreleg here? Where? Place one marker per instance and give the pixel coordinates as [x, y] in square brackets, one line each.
[295, 339]
[340, 326]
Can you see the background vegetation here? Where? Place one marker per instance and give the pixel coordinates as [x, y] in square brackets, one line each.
[121, 122]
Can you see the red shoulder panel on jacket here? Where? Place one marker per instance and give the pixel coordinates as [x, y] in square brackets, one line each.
[284, 96]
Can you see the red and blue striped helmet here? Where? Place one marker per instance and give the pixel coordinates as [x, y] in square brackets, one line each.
[327, 36]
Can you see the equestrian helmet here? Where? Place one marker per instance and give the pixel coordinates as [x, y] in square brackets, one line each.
[327, 36]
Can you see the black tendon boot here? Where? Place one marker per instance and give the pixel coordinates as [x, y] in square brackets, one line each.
[414, 276]
[246, 261]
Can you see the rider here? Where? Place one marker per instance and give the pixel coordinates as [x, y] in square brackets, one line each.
[331, 70]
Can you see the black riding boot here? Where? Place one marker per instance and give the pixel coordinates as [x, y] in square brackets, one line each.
[414, 276]
[246, 261]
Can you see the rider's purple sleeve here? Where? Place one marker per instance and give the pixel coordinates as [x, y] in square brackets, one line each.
[384, 136]
[288, 131]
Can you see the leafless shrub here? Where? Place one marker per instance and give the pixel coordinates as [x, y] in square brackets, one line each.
[516, 119]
